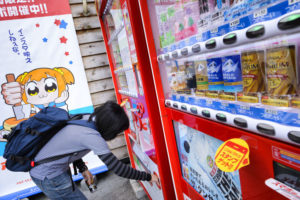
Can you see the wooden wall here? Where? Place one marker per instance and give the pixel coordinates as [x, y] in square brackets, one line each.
[95, 62]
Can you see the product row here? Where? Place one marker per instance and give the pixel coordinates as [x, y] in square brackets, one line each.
[269, 76]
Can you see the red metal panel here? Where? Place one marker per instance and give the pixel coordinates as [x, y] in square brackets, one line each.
[150, 100]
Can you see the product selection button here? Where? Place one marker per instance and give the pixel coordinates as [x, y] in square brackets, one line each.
[266, 129]
[194, 110]
[256, 31]
[184, 51]
[160, 58]
[168, 103]
[294, 136]
[196, 48]
[288, 22]
[221, 117]
[166, 56]
[240, 122]
[210, 44]
[183, 107]
[175, 54]
[205, 113]
[175, 105]
[230, 38]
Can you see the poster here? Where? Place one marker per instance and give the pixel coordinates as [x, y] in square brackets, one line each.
[41, 66]
[197, 151]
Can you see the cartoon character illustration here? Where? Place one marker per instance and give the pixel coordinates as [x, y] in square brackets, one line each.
[35, 90]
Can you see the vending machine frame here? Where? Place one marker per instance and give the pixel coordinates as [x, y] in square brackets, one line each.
[263, 150]
[149, 103]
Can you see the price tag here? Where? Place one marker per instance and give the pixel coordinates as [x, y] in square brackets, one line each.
[234, 23]
[260, 13]
[232, 155]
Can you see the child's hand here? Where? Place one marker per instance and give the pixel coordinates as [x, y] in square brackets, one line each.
[88, 176]
[155, 179]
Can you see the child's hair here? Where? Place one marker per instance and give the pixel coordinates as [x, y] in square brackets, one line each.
[62, 75]
[110, 119]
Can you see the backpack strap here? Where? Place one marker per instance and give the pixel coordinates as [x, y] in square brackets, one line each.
[50, 159]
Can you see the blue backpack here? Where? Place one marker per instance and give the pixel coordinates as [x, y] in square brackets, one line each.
[29, 136]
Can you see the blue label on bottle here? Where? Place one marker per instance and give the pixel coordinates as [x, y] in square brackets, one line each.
[214, 72]
[232, 73]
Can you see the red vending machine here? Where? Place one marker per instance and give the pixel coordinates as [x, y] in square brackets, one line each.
[228, 71]
[126, 47]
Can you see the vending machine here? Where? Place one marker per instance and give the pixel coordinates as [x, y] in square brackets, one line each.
[126, 47]
[227, 79]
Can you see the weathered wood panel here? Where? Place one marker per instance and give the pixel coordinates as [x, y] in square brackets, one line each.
[119, 140]
[120, 153]
[92, 48]
[90, 35]
[95, 61]
[83, 23]
[98, 73]
[77, 10]
[103, 96]
[101, 85]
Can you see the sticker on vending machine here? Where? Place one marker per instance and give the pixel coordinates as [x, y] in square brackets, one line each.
[232, 155]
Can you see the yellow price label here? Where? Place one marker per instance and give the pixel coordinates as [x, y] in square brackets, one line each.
[232, 155]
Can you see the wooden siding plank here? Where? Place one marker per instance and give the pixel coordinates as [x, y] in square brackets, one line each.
[98, 73]
[95, 61]
[117, 142]
[120, 153]
[83, 23]
[90, 35]
[92, 48]
[101, 85]
[101, 97]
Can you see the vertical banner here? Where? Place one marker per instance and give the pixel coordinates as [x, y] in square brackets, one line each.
[41, 66]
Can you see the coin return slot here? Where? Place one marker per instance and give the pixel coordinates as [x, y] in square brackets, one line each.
[266, 129]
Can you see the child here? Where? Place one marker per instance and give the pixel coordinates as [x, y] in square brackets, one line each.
[53, 177]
